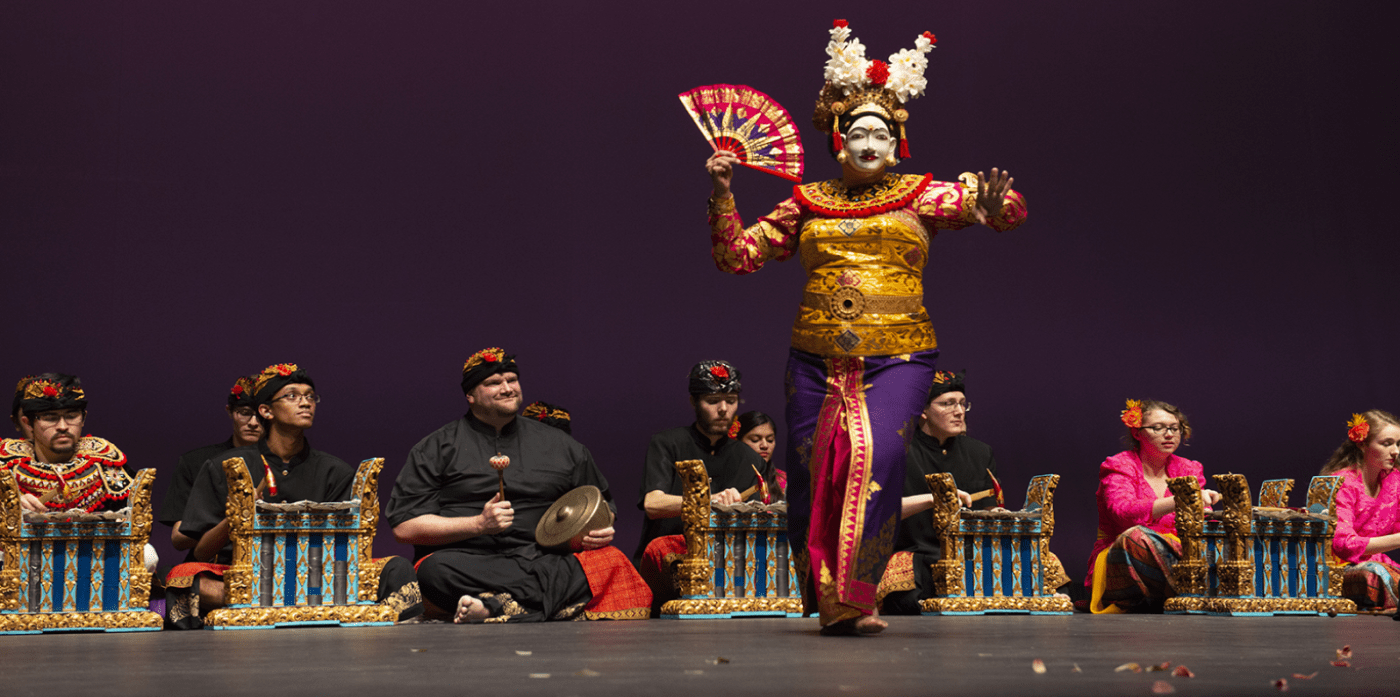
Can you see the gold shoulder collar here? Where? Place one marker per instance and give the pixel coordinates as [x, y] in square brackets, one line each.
[832, 198]
[102, 450]
[12, 448]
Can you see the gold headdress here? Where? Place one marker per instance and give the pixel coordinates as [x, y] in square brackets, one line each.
[855, 85]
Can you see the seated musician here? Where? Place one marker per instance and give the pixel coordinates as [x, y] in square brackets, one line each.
[732, 466]
[11, 448]
[755, 429]
[1368, 509]
[57, 468]
[16, 411]
[940, 445]
[1130, 569]
[247, 430]
[551, 415]
[286, 469]
[475, 549]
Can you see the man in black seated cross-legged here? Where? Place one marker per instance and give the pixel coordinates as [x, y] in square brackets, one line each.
[476, 552]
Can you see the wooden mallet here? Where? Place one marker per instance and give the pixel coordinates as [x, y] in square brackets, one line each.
[499, 463]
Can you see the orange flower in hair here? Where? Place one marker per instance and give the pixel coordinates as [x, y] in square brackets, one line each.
[734, 429]
[1132, 415]
[1358, 429]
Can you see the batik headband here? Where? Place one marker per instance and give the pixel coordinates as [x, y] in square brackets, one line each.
[485, 363]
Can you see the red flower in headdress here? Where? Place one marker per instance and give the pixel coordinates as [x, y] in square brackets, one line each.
[840, 23]
[719, 372]
[50, 391]
[1358, 429]
[237, 390]
[285, 369]
[734, 429]
[489, 358]
[878, 72]
[1132, 415]
[931, 38]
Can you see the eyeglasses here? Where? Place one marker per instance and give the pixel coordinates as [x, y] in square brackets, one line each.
[948, 406]
[244, 414]
[1158, 428]
[52, 418]
[297, 397]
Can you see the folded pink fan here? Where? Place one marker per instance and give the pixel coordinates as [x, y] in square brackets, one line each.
[749, 124]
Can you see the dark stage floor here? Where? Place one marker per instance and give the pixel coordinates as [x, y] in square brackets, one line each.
[916, 656]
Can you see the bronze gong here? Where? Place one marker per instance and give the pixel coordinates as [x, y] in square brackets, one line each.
[574, 515]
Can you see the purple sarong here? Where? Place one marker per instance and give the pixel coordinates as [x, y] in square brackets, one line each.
[848, 423]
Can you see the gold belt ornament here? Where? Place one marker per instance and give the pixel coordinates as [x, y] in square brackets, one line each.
[849, 303]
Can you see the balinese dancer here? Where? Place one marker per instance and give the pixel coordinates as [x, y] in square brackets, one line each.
[863, 349]
[1130, 568]
[1368, 509]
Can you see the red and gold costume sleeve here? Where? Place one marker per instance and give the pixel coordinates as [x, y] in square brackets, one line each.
[949, 206]
[739, 251]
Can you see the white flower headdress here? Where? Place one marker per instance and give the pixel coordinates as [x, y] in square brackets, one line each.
[859, 85]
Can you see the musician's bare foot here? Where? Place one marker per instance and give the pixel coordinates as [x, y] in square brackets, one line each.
[470, 609]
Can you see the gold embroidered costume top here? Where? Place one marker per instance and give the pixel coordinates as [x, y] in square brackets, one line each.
[864, 251]
[94, 479]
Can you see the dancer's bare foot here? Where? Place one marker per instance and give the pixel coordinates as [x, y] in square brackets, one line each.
[871, 624]
[865, 624]
[470, 609]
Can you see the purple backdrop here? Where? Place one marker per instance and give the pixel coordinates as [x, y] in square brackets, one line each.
[375, 190]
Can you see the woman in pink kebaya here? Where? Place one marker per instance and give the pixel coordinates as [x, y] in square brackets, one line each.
[1130, 567]
[1368, 509]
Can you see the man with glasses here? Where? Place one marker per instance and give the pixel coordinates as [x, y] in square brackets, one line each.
[940, 444]
[247, 430]
[286, 469]
[57, 469]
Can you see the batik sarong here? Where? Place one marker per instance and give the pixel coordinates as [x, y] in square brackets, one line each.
[848, 424]
[1135, 573]
[1372, 585]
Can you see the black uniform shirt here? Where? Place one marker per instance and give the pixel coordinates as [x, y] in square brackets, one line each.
[962, 456]
[310, 475]
[449, 474]
[729, 463]
[186, 470]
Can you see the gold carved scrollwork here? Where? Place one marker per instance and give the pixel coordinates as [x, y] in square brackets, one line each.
[694, 574]
[366, 489]
[1236, 572]
[1042, 492]
[731, 606]
[1323, 490]
[10, 513]
[948, 570]
[46, 621]
[139, 498]
[1274, 493]
[1047, 604]
[266, 616]
[1189, 574]
[240, 512]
